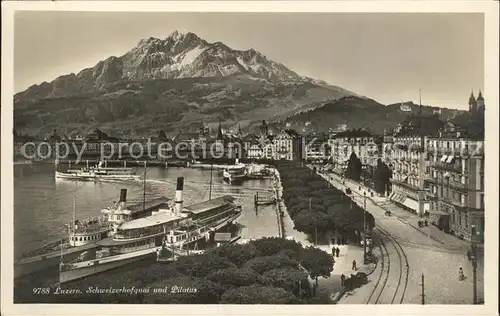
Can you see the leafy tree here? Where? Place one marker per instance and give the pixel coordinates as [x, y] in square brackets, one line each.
[233, 277]
[274, 245]
[317, 262]
[289, 279]
[381, 177]
[184, 290]
[263, 264]
[202, 265]
[256, 294]
[311, 222]
[354, 167]
[236, 253]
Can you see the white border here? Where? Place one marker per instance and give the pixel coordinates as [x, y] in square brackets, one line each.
[490, 9]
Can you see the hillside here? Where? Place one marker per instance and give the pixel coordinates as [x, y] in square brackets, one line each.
[357, 113]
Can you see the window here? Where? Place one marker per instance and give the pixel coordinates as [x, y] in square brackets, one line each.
[459, 218]
[481, 201]
[453, 217]
[466, 221]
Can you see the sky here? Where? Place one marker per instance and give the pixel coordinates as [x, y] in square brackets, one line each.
[384, 56]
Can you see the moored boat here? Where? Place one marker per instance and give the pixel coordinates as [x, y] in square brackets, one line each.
[98, 172]
[83, 235]
[235, 173]
[172, 228]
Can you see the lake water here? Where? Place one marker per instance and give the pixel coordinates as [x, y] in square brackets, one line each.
[42, 205]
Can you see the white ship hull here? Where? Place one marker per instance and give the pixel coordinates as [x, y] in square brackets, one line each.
[87, 268]
[94, 177]
[83, 269]
[233, 178]
[37, 263]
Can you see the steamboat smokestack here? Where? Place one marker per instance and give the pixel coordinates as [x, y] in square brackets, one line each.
[178, 195]
[123, 197]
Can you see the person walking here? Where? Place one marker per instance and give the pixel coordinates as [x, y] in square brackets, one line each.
[337, 251]
[468, 255]
[354, 265]
[342, 280]
[461, 274]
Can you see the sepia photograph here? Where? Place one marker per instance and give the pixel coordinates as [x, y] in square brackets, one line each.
[266, 156]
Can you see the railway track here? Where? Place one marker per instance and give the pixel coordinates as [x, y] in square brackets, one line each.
[392, 282]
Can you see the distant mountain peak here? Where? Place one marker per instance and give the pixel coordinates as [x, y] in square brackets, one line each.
[182, 54]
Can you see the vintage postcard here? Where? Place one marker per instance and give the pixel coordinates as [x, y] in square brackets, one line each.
[249, 158]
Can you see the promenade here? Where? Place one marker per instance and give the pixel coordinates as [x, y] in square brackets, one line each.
[429, 251]
[330, 287]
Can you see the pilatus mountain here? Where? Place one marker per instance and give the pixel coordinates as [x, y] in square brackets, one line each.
[173, 84]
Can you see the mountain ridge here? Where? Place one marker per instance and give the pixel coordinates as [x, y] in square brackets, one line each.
[180, 55]
[181, 82]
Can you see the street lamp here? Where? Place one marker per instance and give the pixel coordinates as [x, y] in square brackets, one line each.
[474, 264]
[364, 227]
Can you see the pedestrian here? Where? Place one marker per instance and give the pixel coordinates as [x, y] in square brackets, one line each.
[468, 255]
[342, 280]
[354, 265]
[426, 223]
[461, 274]
[337, 251]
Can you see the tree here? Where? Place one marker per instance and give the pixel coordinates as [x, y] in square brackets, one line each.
[256, 294]
[317, 262]
[381, 177]
[289, 279]
[236, 253]
[273, 245]
[202, 265]
[263, 264]
[184, 290]
[233, 277]
[354, 167]
[311, 222]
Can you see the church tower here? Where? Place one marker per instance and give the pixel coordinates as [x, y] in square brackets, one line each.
[472, 103]
[480, 101]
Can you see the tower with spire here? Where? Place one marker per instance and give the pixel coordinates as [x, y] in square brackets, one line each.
[480, 101]
[472, 103]
[219, 141]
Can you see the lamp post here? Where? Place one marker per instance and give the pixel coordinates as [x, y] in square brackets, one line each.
[474, 264]
[364, 227]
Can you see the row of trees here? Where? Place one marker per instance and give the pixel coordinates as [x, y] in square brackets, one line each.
[318, 208]
[263, 271]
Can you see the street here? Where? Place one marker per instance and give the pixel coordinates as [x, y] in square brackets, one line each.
[428, 251]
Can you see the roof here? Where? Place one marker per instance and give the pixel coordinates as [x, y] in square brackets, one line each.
[353, 133]
[208, 205]
[151, 204]
[153, 220]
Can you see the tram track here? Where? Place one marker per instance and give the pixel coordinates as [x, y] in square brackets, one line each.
[395, 293]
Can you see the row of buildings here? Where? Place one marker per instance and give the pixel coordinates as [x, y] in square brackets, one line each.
[437, 167]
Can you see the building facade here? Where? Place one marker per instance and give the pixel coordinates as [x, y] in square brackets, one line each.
[408, 162]
[455, 184]
[315, 148]
[343, 144]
